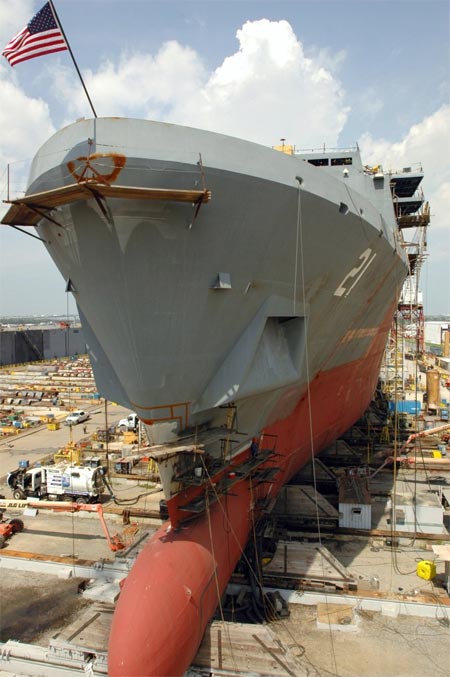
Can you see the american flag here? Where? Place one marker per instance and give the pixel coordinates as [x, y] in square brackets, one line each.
[41, 35]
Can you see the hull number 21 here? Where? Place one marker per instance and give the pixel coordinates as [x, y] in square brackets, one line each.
[353, 277]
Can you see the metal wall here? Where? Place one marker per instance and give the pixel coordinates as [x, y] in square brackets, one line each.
[29, 345]
[355, 515]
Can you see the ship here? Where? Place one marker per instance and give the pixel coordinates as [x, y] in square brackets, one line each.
[238, 298]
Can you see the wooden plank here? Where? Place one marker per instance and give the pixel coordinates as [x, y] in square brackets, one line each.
[328, 556]
[44, 557]
[90, 630]
[245, 648]
[388, 533]
[165, 194]
[21, 212]
[274, 656]
[20, 215]
[48, 199]
[300, 560]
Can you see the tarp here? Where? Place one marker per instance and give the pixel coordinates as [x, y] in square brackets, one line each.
[411, 407]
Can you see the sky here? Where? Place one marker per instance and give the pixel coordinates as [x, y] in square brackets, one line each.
[314, 72]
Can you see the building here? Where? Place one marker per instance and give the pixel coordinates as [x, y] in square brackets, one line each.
[417, 511]
[29, 343]
[355, 503]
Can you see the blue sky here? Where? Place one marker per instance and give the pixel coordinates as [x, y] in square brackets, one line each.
[334, 72]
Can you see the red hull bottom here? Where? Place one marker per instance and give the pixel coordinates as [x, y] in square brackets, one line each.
[177, 581]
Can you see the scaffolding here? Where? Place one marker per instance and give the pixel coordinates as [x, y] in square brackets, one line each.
[407, 334]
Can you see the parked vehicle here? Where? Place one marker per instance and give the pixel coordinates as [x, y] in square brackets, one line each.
[131, 422]
[8, 528]
[76, 417]
[58, 482]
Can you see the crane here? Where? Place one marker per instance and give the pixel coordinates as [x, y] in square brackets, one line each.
[114, 542]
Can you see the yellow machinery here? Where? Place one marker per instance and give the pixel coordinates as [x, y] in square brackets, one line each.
[71, 454]
[285, 148]
[130, 437]
[426, 570]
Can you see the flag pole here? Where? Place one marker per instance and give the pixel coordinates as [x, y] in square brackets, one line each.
[52, 6]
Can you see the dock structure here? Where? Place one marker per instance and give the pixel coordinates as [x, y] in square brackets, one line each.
[307, 566]
[330, 572]
[300, 506]
[31, 343]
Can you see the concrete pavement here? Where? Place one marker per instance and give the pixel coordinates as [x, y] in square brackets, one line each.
[37, 443]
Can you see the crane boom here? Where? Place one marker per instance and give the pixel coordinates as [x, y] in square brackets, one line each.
[114, 542]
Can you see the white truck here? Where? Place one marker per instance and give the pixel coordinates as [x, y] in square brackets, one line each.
[131, 422]
[57, 482]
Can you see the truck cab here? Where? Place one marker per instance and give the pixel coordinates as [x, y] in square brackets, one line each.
[131, 422]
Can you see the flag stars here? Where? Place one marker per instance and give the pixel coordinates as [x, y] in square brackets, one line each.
[42, 21]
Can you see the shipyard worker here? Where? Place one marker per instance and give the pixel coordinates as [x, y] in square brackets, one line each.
[254, 447]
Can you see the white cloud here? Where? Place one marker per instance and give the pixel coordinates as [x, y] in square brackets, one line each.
[13, 17]
[266, 90]
[137, 84]
[427, 143]
[26, 124]
[25, 121]
[269, 89]
[323, 56]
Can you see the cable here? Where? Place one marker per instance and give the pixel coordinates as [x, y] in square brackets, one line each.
[233, 533]
[310, 418]
[70, 426]
[299, 238]
[216, 579]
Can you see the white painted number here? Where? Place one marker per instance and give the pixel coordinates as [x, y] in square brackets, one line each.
[366, 259]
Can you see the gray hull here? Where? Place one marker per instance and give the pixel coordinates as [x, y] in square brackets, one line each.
[287, 272]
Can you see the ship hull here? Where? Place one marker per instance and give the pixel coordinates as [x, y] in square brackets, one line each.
[166, 337]
[175, 586]
[271, 300]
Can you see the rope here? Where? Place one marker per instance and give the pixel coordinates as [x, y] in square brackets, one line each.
[216, 579]
[297, 235]
[245, 558]
[257, 562]
[72, 515]
[310, 417]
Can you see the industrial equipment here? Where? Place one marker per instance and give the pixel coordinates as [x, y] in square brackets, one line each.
[114, 542]
[58, 482]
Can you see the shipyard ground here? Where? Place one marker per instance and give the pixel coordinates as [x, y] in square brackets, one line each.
[319, 638]
[36, 607]
[59, 580]
[374, 645]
